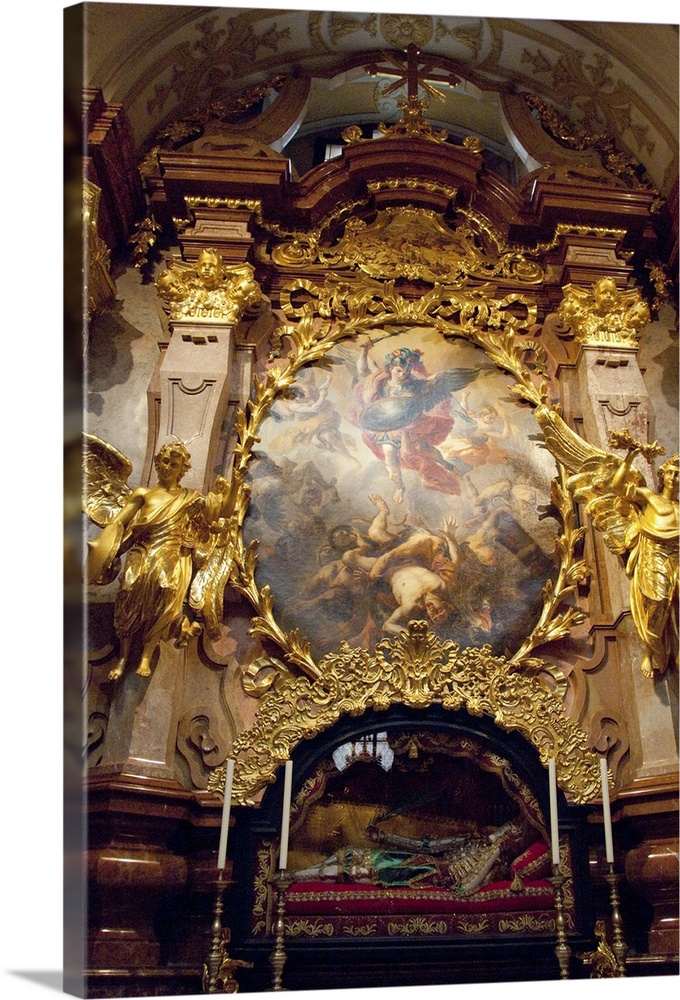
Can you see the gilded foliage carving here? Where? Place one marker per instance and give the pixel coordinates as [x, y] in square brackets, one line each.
[415, 669]
[415, 243]
[342, 25]
[602, 961]
[143, 240]
[558, 617]
[604, 108]
[427, 249]
[100, 288]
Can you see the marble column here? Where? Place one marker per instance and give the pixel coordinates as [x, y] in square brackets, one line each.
[143, 719]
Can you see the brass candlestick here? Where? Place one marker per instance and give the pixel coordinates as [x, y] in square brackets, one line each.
[562, 949]
[619, 946]
[212, 966]
[218, 971]
[277, 959]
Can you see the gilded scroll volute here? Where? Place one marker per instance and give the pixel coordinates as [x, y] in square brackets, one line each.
[415, 243]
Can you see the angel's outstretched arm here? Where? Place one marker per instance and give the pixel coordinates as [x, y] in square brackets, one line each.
[130, 508]
[621, 480]
[229, 491]
[365, 365]
[206, 593]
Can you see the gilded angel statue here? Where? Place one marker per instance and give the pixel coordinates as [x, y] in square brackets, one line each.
[177, 545]
[635, 521]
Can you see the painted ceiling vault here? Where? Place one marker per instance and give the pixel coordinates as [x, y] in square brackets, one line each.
[166, 63]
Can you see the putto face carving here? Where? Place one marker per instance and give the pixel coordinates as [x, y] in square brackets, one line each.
[209, 268]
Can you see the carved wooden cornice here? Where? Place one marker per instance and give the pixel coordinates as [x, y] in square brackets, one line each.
[110, 163]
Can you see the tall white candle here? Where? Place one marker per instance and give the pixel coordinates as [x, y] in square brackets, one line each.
[554, 823]
[226, 811]
[285, 816]
[606, 812]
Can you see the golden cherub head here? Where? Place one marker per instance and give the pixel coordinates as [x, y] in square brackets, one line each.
[605, 294]
[170, 286]
[210, 267]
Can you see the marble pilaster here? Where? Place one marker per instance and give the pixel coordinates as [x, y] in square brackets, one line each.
[613, 396]
[143, 719]
[194, 393]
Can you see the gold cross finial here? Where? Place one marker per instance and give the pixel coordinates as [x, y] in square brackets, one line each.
[416, 72]
[412, 53]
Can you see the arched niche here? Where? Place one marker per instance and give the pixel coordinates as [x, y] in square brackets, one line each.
[337, 931]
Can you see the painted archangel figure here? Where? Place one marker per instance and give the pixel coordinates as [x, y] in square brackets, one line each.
[634, 520]
[176, 542]
[405, 413]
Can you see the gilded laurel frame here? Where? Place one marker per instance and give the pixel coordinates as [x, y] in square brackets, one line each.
[358, 308]
[299, 697]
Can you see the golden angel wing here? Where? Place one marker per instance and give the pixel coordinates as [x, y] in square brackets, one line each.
[564, 444]
[105, 487]
[611, 512]
[181, 267]
[577, 292]
[592, 472]
[215, 556]
[208, 585]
